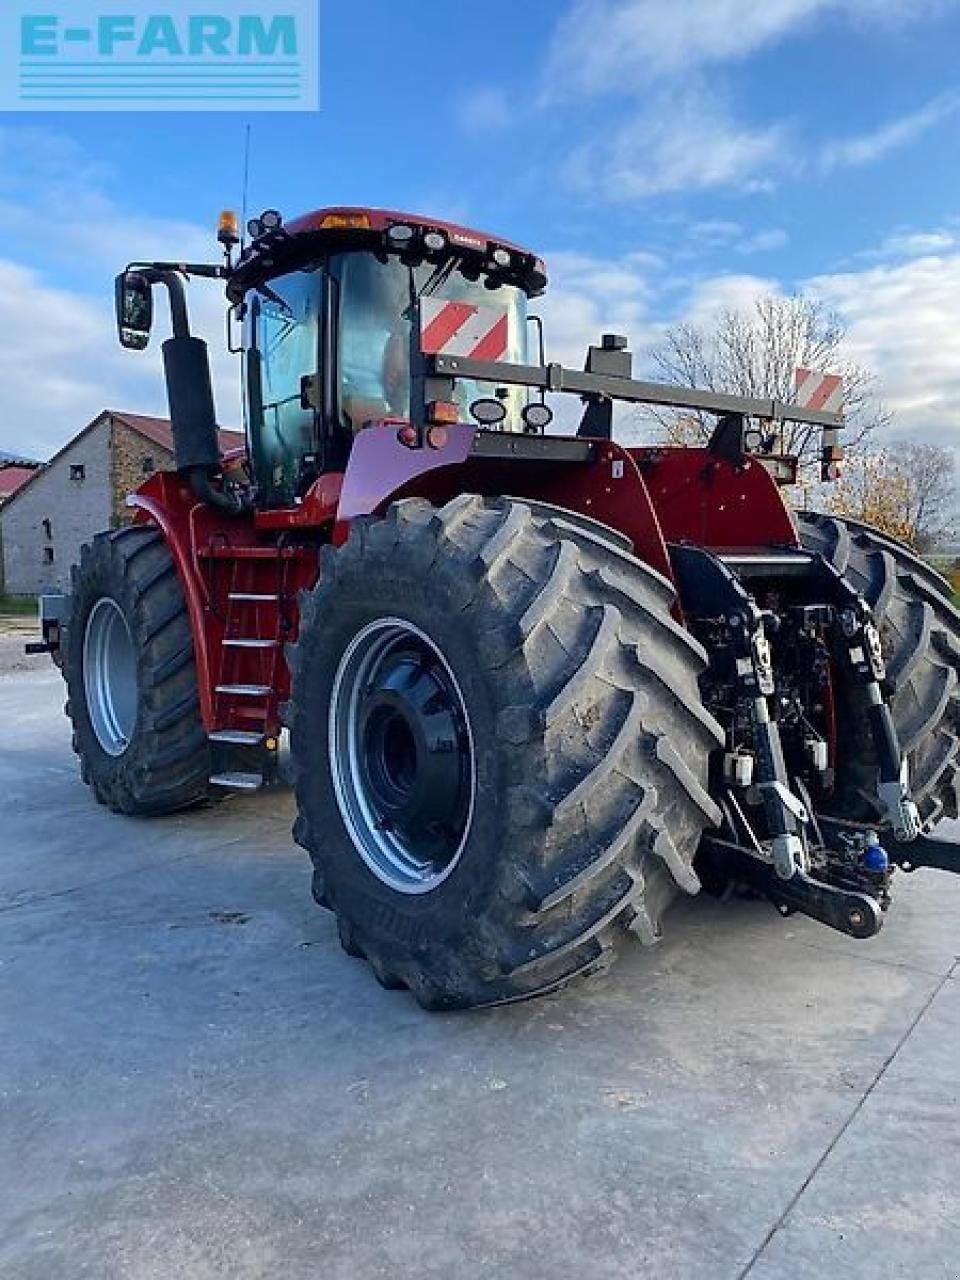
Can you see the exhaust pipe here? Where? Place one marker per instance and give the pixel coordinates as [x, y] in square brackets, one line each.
[193, 417]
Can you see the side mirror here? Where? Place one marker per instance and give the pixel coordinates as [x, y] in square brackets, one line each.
[134, 310]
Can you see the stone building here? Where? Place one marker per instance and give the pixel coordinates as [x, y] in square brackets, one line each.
[81, 491]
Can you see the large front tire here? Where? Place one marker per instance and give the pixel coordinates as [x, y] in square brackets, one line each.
[568, 794]
[131, 677]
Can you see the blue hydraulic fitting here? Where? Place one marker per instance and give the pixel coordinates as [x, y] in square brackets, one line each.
[874, 857]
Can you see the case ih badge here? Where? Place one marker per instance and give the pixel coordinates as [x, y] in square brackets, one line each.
[462, 329]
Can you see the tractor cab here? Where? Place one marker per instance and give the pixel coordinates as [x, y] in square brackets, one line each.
[337, 311]
[338, 314]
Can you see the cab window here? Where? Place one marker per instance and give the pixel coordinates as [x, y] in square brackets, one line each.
[284, 348]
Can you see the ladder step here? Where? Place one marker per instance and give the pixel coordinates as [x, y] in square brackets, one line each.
[256, 597]
[239, 781]
[219, 551]
[245, 690]
[238, 737]
[251, 643]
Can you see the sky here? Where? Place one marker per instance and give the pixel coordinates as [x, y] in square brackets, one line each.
[666, 157]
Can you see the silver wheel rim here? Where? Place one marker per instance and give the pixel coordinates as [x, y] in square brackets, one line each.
[110, 676]
[401, 855]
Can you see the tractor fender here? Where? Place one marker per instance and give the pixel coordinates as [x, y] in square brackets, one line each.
[595, 478]
[186, 523]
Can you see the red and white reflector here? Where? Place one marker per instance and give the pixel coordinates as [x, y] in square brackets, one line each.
[462, 329]
[815, 390]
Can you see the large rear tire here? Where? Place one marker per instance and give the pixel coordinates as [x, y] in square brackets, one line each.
[131, 677]
[549, 780]
[920, 634]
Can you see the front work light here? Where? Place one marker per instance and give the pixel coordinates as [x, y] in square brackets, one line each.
[400, 235]
[536, 417]
[270, 220]
[488, 412]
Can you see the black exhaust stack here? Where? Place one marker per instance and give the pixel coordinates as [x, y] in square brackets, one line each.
[193, 416]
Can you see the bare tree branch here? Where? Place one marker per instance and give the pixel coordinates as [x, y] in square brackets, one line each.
[754, 353]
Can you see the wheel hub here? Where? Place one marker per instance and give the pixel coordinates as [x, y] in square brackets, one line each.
[401, 755]
[110, 676]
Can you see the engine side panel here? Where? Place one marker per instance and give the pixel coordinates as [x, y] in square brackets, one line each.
[705, 500]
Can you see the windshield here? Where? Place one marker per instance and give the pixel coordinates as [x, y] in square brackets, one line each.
[375, 320]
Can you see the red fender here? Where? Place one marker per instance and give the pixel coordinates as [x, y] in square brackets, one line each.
[608, 487]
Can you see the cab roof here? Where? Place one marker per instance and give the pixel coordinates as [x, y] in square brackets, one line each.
[381, 219]
[346, 227]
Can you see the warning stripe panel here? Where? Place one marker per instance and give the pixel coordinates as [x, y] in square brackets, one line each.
[463, 329]
[442, 325]
[494, 344]
[815, 390]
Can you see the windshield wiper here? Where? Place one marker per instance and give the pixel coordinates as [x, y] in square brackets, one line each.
[275, 297]
[438, 276]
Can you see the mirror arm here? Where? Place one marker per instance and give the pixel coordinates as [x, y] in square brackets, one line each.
[170, 274]
[179, 318]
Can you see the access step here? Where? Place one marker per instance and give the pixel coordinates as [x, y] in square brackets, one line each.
[221, 551]
[253, 597]
[240, 642]
[237, 737]
[245, 690]
[237, 781]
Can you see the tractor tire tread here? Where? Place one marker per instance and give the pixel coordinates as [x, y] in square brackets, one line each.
[166, 766]
[607, 755]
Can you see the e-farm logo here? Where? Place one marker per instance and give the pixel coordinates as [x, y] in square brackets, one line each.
[186, 55]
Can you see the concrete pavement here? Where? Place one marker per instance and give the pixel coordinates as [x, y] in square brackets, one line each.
[196, 1081]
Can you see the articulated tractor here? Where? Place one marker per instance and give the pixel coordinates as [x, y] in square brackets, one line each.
[537, 684]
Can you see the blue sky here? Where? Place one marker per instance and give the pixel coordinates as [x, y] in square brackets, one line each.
[666, 158]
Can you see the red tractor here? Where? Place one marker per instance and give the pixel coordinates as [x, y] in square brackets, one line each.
[537, 684]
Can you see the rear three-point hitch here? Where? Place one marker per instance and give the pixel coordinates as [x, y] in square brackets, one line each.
[792, 645]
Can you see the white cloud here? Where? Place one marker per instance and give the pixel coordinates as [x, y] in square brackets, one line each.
[666, 62]
[731, 292]
[868, 147]
[902, 326]
[900, 318]
[60, 362]
[763, 241]
[484, 110]
[911, 244]
[589, 296]
[716, 231]
[604, 46]
[685, 142]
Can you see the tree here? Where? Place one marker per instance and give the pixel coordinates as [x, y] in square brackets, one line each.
[754, 352]
[906, 490]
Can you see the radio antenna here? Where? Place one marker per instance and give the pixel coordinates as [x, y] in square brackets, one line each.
[246, 186]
